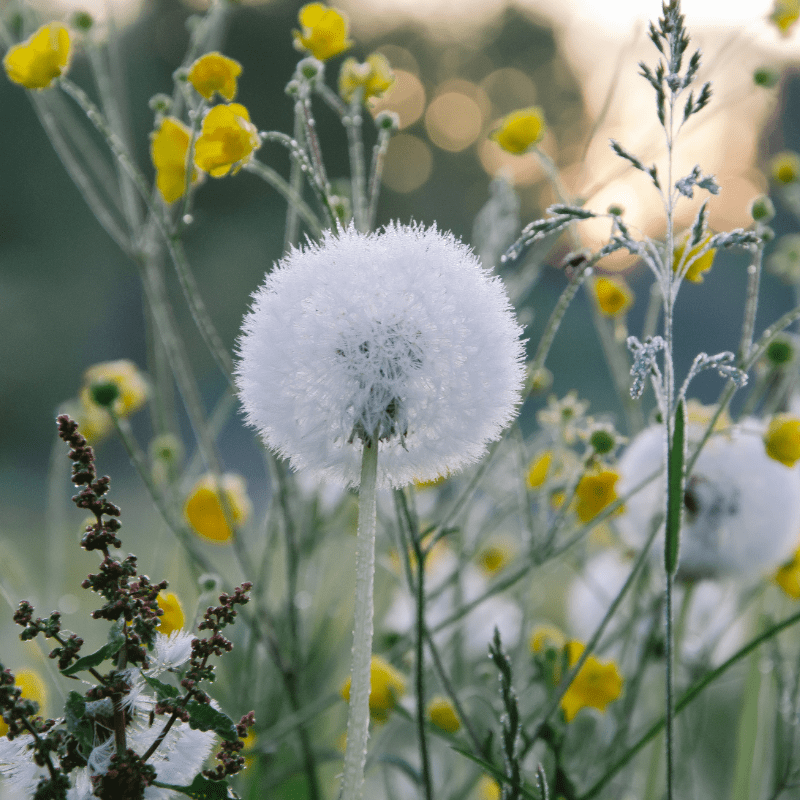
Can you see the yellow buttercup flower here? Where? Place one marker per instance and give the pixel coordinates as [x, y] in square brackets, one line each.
[546, 637]
[612, 295]
[788, 577]
[538, 469]
[386, 683]
[784, 14]
[785, 167]
[496, 555]
[248, 748]
[227, 140]
[41, 58]
[595, 686]
[520, 130]
[696, 266]
[117, 384]
[173, 618]
[324, 31]
[204, 510]
[594, 492]
[782, 439]
[374, 76]
[442, 714]
[169, 146]
[214, 72]
[33, 688]
[488, 788]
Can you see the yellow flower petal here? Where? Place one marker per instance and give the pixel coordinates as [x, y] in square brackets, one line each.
[520, 130]
[612, 295]
[488, 788]
[785, 167]
[204, 511]
[214, 72]
[386, 683]
[785, 14]
[594, 492]
[788, 577]
[538, 469]
[782, 439]
[33, 688]
[132, 387]
[41, 58]
[545, 637]
[324, 31]
[442, 714]
[696, 265]
[595, 686]
[227, 140]
[173, 618]
[169, 146]
[374, 76]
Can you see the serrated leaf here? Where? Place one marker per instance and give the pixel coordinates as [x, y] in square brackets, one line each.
[675, 490]
[95, 659]
[163, 690]
[200, 789]
[205, 718]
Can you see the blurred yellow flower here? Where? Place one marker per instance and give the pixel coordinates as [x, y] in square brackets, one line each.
[696, 266]
[612, 295]
[227, 140]
[496, 555]
[386, 683]
[374, 76]
[169, 146]
[788, 577]
[488, 788]
[324, 31]
[595, 685]
[214, 72]
[546, 637]
[785, 167]
[248, 747]
[594, 492]
[784, 14]
[442, 714]
[173, 618]
[41, 58]
[33, 688]
[119, 381]
[782, 439]
[204, 511]
[520, 130]
[538, 469]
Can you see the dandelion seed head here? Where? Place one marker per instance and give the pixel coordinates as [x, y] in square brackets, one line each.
[398, 335]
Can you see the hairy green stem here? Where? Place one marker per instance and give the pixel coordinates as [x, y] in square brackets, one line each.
[358, 713]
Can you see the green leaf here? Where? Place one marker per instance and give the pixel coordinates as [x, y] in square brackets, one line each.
[95, 659]
[675, 490]
[163, 690]
[205, 718]
[77, 723]
[200, 789]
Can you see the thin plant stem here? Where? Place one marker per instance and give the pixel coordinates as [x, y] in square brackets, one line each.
[686, 698]
[294, 188]
[376, 173]
[751, 304]
[355, 139]
[358, 713]
[420, 555]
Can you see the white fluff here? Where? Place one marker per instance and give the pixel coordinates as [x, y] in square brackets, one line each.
[401, 331]
[742, 514]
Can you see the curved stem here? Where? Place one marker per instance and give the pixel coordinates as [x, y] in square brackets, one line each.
[358, 714]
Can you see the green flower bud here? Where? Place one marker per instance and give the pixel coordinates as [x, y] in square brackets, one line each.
[616, 210]
[82, 20]
[762, 209]
[602, 441]
[766, 77]
[779, 352]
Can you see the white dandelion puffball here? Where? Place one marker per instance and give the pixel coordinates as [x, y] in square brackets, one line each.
[400, 334]
[741, 507]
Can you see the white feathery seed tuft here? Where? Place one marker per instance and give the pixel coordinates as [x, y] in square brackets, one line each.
[400, 333]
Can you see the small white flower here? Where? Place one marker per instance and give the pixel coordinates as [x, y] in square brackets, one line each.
[741, 508]
[399, 333]
[19, 773]
[170, 651]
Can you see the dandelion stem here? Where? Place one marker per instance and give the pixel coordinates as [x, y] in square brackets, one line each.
[358, 715]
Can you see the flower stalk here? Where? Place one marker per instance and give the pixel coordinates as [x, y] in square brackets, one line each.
[355, 756]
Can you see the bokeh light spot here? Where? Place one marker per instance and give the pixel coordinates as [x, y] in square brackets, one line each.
[406, 98]
[453, 121]
[408, 163]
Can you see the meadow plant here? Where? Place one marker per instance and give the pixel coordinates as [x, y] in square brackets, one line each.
[516, 632]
